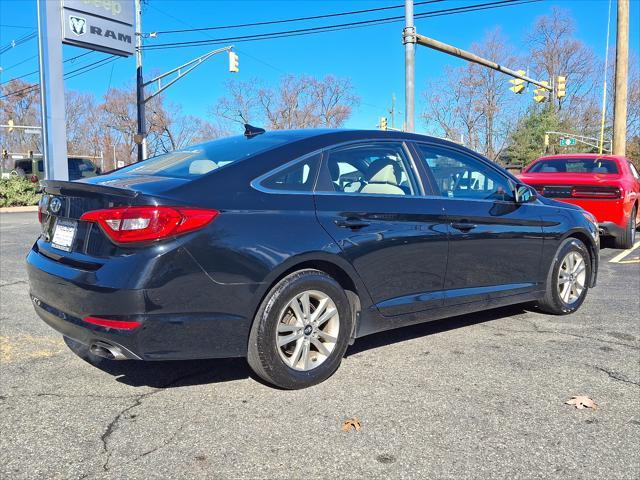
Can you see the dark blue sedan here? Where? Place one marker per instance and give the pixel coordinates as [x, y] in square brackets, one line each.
[286, 246]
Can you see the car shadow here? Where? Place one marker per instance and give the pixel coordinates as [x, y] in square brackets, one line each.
[403, 334]
[183, 373]
[167, 374]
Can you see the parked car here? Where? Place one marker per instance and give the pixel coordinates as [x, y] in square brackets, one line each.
[285, 247]
[34, 168]
[608, 186]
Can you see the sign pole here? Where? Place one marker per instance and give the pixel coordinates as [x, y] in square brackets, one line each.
[54, 136]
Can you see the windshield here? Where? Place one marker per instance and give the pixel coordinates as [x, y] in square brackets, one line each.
[575, 165]
[204, 158]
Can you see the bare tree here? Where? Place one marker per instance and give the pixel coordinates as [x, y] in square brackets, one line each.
[474, 103]
[555, 51]
[24, 109]
[298, 102]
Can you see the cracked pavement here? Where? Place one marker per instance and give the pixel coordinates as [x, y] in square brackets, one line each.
[478, 396]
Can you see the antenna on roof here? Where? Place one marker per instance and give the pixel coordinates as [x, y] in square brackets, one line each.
[249, 130]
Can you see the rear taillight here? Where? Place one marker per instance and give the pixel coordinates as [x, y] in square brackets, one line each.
[595, 192]
[148, 223]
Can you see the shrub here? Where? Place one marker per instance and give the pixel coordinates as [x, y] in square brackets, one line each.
[17, 192]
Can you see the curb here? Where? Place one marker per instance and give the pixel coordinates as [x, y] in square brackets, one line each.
[29, 208]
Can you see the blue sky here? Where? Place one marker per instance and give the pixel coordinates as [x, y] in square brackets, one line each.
[372, 57]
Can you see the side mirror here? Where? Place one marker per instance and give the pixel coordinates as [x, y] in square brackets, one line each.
[524, 194]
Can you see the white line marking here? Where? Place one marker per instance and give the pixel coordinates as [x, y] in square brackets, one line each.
[624, 253]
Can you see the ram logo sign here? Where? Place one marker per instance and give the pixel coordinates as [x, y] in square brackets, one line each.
[90, 24]
[78, 25]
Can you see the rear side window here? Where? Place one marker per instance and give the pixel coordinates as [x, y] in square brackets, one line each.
[575, 165]
[204, 158]
[299, 177]
[377, 168]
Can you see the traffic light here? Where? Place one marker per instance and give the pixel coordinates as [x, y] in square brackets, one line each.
[233, 62]
[561, 86]
[5, 154]
[541, 94]
[10, 122]
[518, 83]
[383, 123]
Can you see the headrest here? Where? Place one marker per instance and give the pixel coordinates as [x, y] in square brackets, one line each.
[600, 170]
[200, 167]
[384, 171]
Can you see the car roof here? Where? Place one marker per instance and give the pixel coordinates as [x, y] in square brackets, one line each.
[566, 156]
[336, 135]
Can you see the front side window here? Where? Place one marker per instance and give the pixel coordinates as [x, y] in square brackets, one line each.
[298, 177]
[634, 172]
[373, 168]
[457, 175]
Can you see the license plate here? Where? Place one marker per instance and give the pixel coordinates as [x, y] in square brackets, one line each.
[63, 234]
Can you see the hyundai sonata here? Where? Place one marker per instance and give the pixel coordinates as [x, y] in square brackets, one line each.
[285, 247]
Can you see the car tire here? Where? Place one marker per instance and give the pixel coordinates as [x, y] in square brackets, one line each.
[568, 279]
[627, 239]
[277, 321]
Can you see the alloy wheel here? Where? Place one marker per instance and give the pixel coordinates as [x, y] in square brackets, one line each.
[571, 277]
[307, 330]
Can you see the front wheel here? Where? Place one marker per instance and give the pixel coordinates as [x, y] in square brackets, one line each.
[568, 279]
[301, 330]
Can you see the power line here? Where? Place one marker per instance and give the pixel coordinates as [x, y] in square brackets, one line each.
[299, 19]
[38, 71]
[244, 53]
[19, 63]
[74, 73]
[20, 41]
[337, 27]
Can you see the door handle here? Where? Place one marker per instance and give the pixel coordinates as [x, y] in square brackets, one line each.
[352, 223]
[463, 226]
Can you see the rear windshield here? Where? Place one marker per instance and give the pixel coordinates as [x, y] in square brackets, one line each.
[204, 158]
[574, 165]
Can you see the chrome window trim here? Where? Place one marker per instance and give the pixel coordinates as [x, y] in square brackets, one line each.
[256, 183]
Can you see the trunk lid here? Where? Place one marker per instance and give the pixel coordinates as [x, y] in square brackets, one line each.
[63, 203]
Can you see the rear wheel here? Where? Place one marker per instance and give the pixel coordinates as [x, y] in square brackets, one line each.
[301, 330]
[568, 279]
[628, 238]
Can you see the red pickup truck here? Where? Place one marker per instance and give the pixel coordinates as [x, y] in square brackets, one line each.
[607, 186]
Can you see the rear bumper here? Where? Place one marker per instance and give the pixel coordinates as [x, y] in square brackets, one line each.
[611, 229]
[63, 296]
[610, 213]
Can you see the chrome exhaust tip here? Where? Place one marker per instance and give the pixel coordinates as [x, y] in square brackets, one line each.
[106, 350]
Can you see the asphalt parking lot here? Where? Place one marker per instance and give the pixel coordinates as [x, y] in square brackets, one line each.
[478, 396]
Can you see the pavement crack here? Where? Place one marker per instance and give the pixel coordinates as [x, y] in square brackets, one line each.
[538, 329]
[19, 282]
[138, 399]
[616, 376]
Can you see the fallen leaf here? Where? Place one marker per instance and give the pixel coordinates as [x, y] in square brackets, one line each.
[350, 423]
[582, 401]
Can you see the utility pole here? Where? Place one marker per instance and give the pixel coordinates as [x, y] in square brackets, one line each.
[621, 81]
[392, 111]
[142, 134]
[409, 40]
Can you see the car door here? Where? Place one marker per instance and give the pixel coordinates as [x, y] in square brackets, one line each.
[495, 244]
[370, 200]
